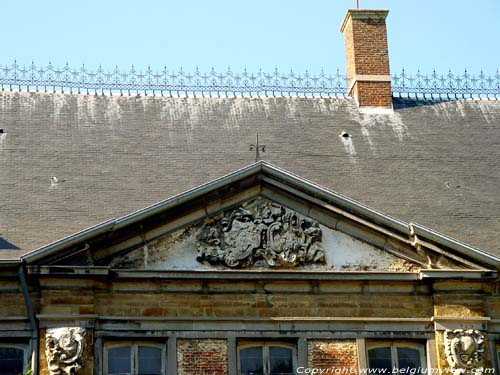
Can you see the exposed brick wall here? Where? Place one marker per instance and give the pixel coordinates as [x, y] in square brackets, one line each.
[369, 44]
[367, 53]
[335, 355]
[373, 93]
[202, 357]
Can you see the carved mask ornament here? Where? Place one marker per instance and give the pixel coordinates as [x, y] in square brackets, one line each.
[64, 349]
[464, 350]
[262, 233]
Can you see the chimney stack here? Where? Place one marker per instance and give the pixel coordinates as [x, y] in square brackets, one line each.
[367, 54]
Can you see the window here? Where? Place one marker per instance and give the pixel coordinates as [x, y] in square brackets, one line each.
[12, 359]
[134, 358]
[266, 358]
[396, 355]
[498, 356]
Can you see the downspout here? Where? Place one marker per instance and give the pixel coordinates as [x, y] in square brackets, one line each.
[31, 317]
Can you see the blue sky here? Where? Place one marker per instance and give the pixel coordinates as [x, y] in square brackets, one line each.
[298, 34]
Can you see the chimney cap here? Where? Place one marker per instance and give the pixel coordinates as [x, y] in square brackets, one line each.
[360, 14]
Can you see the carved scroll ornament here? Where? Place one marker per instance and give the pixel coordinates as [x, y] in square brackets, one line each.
[261, 234]
[64, 350]
[464, 350]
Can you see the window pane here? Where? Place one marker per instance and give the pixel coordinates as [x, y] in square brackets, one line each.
[380, 358]
[149, 360]
[119, 360]
[11, 361]
[251, 361]
[408, 358]
[280, 360]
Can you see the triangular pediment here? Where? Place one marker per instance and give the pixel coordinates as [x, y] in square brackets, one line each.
[260, 234]
[261, 218]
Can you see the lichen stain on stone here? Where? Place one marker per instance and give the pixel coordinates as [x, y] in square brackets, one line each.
[60, 101]
[86, 109]
[293, 109]
[155, 252]
[113, 112]
[456, 310]
[349, 147]
[6, 103]
[379, 122]
[489, 110]
[402, 265]
[28, 101]
[398, 265]
[326, 106]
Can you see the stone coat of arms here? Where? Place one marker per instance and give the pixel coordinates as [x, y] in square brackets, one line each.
[464, 350]
[64, 350]
[262, 233]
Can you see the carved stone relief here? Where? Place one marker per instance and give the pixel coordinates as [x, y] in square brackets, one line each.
[64, 349]
[464, 350]
[260, 233]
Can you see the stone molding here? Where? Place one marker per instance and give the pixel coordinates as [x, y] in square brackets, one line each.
[363, 14]
[368, 78]
[451, 323]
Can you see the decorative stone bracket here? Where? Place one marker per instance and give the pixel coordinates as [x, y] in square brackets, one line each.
[64, 349]
[464, 351]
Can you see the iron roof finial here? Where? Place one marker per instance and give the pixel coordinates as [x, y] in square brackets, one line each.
[258, 148]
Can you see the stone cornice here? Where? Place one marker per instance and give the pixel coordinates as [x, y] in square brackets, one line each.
[359, 14]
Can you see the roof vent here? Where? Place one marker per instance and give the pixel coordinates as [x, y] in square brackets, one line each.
[345, 135]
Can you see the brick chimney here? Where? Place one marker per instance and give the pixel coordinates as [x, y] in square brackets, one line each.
[368, 75]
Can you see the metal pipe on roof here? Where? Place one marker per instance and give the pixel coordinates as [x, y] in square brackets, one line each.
[31, 316]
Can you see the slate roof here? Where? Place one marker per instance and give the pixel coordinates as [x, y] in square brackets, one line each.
[270, 181]
[434, 163]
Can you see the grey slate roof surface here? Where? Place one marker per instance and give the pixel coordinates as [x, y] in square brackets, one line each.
[434, 163]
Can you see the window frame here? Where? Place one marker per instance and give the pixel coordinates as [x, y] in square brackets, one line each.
[497, 356]
[23, 347]
[134, 344]
[265, 344]
[394, 345]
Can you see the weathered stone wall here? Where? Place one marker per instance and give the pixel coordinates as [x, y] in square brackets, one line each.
[256, 299]
[202, 357]
[454, 299]
[333, 355]
[459, 298]
[12, 300]
[67, 302]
